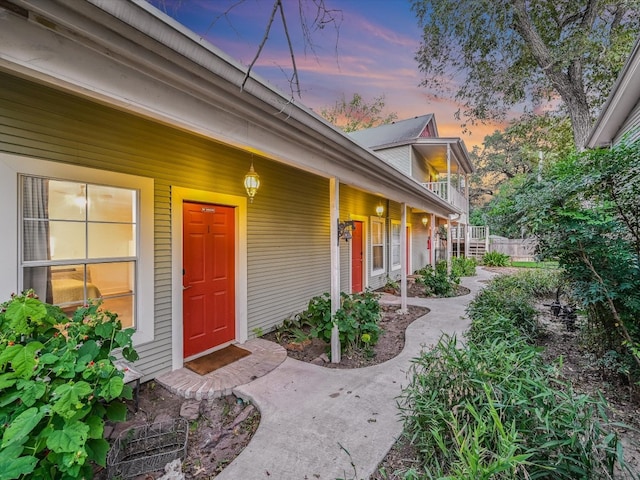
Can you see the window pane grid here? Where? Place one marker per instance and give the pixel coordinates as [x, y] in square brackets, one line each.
[67, 258]
[377, 245]
[395, 244]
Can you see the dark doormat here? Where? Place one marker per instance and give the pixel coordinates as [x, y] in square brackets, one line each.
[213, 361]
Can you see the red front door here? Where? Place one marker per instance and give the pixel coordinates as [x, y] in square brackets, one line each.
[208, 276]
[356, 258]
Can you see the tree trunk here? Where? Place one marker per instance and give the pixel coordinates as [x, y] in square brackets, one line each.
[568, 83]
[580, 118]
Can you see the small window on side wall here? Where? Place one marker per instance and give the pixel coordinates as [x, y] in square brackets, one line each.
[377, 246]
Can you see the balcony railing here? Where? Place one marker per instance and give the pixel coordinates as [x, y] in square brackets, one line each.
[476, 233]
[451, 195]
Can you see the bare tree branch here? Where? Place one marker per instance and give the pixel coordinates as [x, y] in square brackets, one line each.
[295, 80]
[262, 43]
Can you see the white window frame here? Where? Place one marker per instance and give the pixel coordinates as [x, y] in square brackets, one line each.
[12, 166]
[375, 222]
[398, 245]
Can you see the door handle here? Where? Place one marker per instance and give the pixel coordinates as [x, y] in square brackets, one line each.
[185, 288]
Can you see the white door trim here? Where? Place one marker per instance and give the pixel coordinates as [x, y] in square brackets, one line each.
[178, 196]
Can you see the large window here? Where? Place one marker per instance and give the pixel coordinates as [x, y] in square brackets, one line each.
[79, 241]
[395, 246]
[377, 246]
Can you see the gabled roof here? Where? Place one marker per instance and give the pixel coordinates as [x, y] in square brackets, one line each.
[397, 132]
[422, 134]
[623, 98]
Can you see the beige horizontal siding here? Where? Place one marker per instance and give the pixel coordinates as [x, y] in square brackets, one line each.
[288, 225]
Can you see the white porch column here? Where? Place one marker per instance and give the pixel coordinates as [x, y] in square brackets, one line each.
[467, 239]
[449, 244]
[334, 217]
[432, 236]
[448, 174]
[403, 258]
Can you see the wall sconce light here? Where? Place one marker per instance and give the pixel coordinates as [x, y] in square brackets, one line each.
[425, 221]
[379, 210]
[345, 229]
[251, 183]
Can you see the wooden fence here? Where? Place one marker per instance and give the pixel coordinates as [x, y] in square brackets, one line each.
[517, 249]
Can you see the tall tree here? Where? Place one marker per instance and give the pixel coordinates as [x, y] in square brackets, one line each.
[357, 113]
[510, 52]
[523, 147]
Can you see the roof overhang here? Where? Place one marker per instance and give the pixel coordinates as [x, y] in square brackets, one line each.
[131, 56]
[621, 101]
[435, 149]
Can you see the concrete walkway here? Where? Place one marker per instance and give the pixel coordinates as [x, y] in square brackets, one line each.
[320, 423]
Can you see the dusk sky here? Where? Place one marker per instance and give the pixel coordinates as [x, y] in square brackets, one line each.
[371, 53]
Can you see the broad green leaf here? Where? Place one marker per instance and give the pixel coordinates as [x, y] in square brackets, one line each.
[89, 348]
[70, 438]
[71, 463]
[123, 337]
[104, 330]
[21, 427]
[22, 309]
[97, 449]
[112, 389]
[117, 411]
[49, 358]
[130, 354]
[13, 465]
[25, 361]
[7, 379]
[96, 426]
[31, 391]
[9, 398]
[8, 354]
[69, 398]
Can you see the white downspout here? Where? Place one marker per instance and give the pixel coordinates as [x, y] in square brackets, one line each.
[334, 218]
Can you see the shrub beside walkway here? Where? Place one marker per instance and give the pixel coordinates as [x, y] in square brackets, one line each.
[321, 423]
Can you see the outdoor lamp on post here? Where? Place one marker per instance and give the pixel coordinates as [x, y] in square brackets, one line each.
[251, 183]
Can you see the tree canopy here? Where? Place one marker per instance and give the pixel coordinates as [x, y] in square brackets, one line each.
[357, 113]
[518, 150]
[494, 54]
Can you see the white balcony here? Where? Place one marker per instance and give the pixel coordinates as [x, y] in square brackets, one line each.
[451, 195]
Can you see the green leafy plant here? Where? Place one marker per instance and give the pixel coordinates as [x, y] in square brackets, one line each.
[58, 383]
[391, 286]
[495, 259]
[463, 267]
[492, 408]
[437, 281]
[357, 319]
[584, 214]
[258, 332]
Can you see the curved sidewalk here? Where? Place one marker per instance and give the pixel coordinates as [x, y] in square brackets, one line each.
[320, 423]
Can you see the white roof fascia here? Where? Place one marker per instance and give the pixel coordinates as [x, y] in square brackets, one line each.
[136, 35]
[621, 101]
